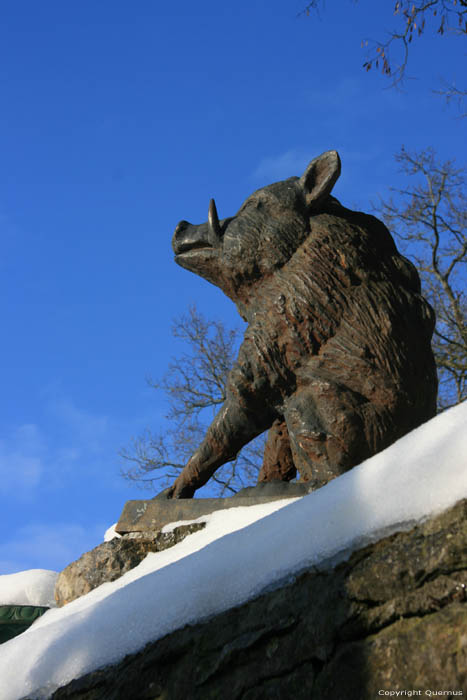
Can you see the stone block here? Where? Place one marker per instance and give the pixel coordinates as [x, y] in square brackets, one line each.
[151, 515]
[110, 560]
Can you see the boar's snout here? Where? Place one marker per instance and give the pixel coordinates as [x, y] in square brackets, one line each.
[187, 237]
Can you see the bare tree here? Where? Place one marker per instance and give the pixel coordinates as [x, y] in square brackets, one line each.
[413, 18]
[195, 385]
[429, 218]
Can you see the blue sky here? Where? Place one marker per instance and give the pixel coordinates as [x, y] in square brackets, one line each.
[119, 119]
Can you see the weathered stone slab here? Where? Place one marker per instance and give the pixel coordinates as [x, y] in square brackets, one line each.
[139, 516]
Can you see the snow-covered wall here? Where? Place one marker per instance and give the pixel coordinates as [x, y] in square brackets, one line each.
[241, 552]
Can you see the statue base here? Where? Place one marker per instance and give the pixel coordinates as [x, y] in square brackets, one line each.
[141, 516]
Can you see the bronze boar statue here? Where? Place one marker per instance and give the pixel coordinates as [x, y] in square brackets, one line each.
[336, 361]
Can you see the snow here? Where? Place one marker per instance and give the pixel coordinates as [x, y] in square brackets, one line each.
[32, 587]
[241, 552]
[110, 533]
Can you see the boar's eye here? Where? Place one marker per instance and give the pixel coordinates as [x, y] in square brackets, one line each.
[251, 204]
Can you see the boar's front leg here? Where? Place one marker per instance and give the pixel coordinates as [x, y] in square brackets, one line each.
[232, 428]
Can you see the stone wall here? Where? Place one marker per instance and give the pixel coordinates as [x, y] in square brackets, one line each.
[392, 617]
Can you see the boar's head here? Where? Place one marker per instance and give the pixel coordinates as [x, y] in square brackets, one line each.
[234, 253]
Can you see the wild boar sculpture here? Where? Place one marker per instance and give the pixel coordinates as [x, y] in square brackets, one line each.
[336, 360]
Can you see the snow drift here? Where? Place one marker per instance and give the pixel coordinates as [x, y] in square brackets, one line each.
[32, 587]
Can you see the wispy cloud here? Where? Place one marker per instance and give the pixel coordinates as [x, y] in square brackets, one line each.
[60, 468]
[293, 162]
[358, 166]
[352, 97]
[22, 460]
[33, 457]
[47, 546]
[281, 166]
[82, 427]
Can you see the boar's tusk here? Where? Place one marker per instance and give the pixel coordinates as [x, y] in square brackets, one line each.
[214, 226]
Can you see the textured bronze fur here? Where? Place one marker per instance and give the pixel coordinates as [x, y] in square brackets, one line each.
[336, 356]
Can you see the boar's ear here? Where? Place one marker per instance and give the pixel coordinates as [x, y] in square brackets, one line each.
[320, 177]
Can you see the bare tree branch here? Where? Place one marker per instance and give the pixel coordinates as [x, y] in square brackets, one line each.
[430, 219]
[195, 385]
[413, 18]
[455, 95]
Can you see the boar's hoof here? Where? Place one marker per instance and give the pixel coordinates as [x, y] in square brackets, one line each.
[166, 494]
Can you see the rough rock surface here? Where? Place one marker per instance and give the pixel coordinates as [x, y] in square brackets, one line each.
[110, 560]
[336, 361]
[392, 617]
